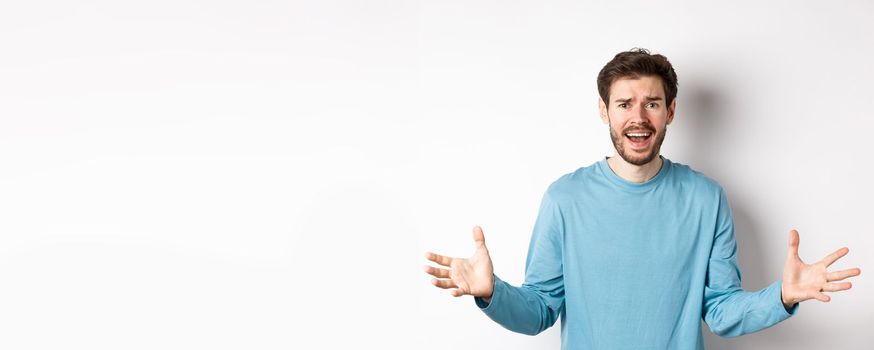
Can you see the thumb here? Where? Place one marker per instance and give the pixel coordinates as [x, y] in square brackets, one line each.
[794, 240]
[479, 237]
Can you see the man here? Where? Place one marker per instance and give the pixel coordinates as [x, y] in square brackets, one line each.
[633, 250]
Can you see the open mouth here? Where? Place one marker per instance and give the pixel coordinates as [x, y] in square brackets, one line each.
[639, 139]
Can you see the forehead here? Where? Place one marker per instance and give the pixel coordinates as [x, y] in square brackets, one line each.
[629, 87]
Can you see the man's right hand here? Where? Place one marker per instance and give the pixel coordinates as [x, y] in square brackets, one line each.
[474, 276]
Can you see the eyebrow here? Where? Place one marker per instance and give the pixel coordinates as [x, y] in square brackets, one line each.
[648, 98]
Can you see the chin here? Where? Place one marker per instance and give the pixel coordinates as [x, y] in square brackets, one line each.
[642, 157]
[639, 160]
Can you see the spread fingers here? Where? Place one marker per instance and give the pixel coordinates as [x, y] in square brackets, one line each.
[839, 275]
[437, 258]
[437, 272]
[836, 287]
[445, 284]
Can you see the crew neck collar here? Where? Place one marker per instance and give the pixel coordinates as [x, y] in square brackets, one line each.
[634, 186]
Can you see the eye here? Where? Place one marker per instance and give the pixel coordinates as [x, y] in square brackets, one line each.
[652, 105]
[623, 105]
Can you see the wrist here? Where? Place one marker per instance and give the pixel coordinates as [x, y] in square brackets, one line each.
[488, 297]
[787, 302]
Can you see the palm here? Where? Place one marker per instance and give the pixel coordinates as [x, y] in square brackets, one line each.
[803, 281]
[472, 276]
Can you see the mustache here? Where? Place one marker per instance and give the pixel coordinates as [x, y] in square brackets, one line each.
[639, 128]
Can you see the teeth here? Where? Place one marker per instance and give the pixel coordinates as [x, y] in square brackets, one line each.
[638, 134]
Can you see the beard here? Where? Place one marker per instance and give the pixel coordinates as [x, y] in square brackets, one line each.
[647, 156]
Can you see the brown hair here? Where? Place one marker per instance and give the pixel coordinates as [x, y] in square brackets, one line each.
[635, 63]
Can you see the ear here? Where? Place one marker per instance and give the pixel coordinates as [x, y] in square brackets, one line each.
[671, 110]
[602, 109]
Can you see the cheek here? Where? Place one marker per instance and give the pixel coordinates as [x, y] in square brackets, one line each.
[658, 117]
[618, 123]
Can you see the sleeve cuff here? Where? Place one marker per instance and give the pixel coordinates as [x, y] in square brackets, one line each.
[778, 290]
[497, 290]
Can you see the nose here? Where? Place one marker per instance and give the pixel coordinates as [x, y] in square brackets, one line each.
[639, 115]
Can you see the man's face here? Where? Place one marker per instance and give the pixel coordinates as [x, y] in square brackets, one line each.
[637, 117]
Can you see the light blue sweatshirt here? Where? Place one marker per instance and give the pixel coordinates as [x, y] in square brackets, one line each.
[634, 265]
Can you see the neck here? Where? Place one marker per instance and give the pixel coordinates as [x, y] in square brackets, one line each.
[634, 173]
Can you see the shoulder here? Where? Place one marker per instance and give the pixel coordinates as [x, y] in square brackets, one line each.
[687, 177]
[572, 183]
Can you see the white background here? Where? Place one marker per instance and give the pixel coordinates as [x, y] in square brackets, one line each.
[268, 174]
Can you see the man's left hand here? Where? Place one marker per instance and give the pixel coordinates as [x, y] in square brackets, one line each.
[802, 281]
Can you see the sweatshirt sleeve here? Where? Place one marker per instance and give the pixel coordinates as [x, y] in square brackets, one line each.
[729, 310]
[535, 306]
